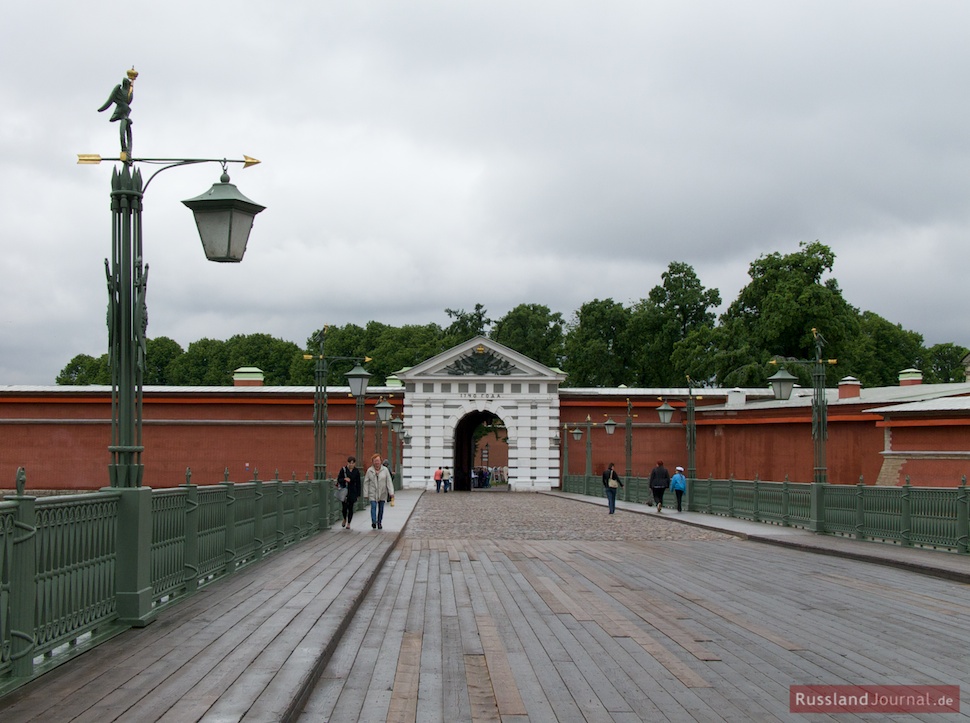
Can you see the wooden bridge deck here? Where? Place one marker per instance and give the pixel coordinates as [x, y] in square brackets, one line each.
[418, 627]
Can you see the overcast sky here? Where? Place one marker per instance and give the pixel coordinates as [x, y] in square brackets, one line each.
[421, 155]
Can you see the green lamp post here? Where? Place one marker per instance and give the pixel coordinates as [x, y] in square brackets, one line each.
[384, 409]
[397, 426]
[782, 383]
[357, 378]
[224, 218]
[320, 405]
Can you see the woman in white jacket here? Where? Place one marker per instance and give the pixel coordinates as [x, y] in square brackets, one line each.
[378, 488]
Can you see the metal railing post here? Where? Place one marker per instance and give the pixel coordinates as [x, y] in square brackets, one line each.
[23, 585]
[786, 502]
[906, 515]
[860, 510]
[754, 502]
[133, 572]
[280, 516]
[816, 515]
[230, 522]
[258, 531]
[963, 517]
[190, 550]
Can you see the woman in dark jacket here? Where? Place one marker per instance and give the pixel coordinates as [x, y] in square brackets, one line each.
[659, 482]
[349, 478]
[611, 481]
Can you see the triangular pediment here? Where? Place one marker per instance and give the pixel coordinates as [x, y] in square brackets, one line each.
[480, 357]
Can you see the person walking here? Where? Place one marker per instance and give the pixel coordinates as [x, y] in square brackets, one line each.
[678, 483]
[659, 482]
[437, 480]
[348, 479]
[446, 478]
[378, 488]
[611, 482]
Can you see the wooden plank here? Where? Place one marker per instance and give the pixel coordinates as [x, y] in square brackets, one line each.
[568, 604]
[504, 686]
[483, 706]
[429, 694]
[404, 698]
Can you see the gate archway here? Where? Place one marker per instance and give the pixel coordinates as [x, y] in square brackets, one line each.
[470, 452]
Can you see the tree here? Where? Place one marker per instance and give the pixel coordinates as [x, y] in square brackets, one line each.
[670, 312]
[466, 325]
[943, 363]
[85, 369]
[784, 300]
[393, 348]
[595, 352]
[204, 363]
[160, 353]
[533, 330]
[879, 351]
[273, 356]
[390, 348]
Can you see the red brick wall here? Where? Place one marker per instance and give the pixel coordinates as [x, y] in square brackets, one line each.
[62, 440]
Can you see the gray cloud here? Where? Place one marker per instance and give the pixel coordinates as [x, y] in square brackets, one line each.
[426, 155]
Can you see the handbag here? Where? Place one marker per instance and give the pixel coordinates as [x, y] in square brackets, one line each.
[614, 483]
[341, 494]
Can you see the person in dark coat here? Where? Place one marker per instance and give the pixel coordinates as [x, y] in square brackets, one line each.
[349, 478]
[611, 482]
[659, 482]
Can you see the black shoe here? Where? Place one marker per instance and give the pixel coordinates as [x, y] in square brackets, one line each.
[380, 526]
[373, 525]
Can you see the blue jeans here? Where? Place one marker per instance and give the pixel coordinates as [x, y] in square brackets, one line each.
[611, 498]
[377, 511]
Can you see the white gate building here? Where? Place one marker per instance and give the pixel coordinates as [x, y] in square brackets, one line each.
[449, 395]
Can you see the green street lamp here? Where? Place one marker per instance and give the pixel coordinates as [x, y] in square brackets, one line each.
[224, 218]
[782, 383]
[666, 412]
[321, 407]
[397, 427]
[384, 410]
[357, 379]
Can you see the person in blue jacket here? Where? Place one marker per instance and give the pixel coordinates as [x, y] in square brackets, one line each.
[678, 483]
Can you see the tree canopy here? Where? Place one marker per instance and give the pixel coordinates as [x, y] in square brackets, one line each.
[657, 341]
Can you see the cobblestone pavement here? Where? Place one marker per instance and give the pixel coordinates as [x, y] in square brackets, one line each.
[528, 516]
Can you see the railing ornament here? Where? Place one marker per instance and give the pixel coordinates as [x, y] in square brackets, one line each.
[21, 481]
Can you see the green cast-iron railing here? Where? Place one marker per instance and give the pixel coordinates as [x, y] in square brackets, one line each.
[932, 517]
[59, 558]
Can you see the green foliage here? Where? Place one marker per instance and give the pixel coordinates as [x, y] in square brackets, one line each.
[775, 313]
[273, 356]
[879, 352]
[596, 354]
[390, 348]
[533, 330]
[656, 342]
[85, 369]
[670, 312]
[204, 363]
[943, 363]
[160, 354]
[466, 325]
